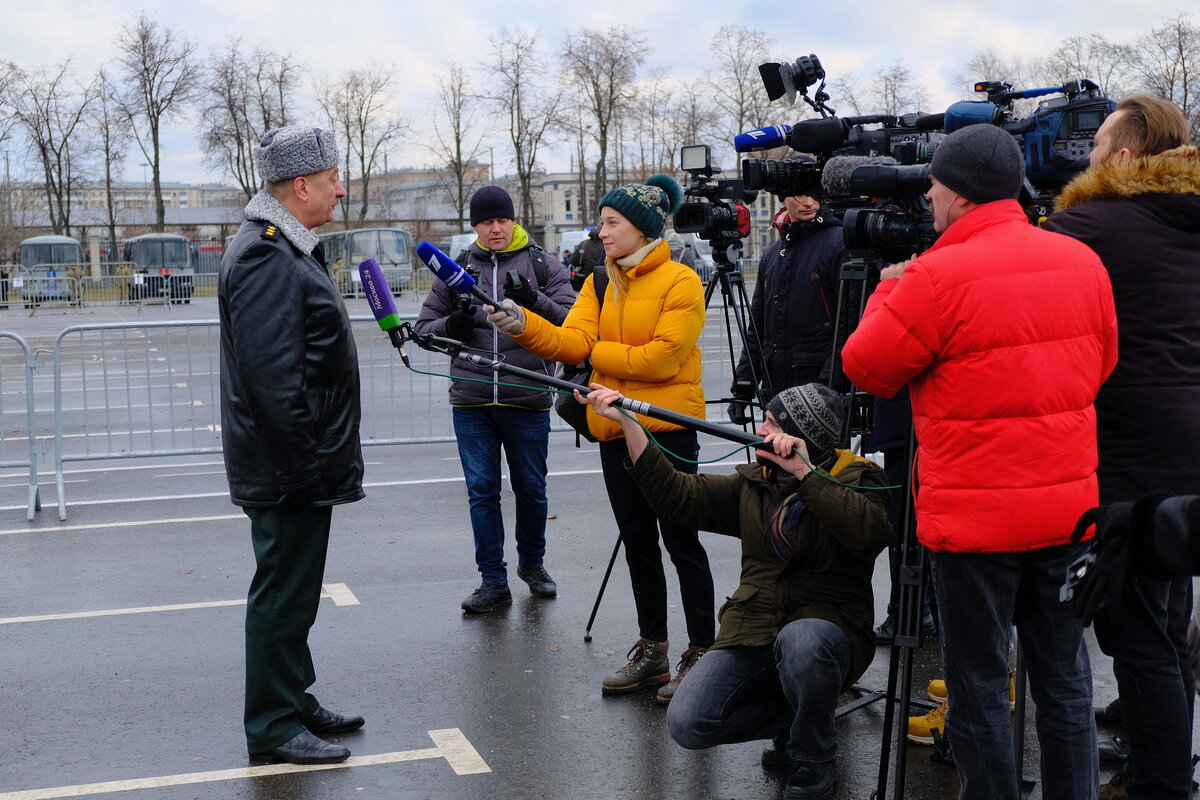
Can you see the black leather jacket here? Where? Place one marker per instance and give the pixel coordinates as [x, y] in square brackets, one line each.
[289, 376]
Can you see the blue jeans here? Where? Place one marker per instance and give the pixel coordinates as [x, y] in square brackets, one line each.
[1146, 635]
[981, 594]
[524, 434]
[739, 694]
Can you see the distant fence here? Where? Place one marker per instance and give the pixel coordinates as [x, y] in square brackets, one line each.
[18, 444]
[153, 390]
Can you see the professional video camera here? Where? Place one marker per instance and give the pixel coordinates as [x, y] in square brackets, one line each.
[718, 213]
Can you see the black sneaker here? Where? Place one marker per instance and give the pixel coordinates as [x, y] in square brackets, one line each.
[488, 597]
[811, 781]
[540, 582]
[1113, 750]
[776, 756]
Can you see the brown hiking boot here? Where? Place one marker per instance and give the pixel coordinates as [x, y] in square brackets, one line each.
[648, 666]
[686, 662]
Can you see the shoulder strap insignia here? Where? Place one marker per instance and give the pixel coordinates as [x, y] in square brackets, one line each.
[270, 232]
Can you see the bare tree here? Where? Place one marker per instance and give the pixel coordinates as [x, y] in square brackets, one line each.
[161, 78]
[359, 107]
[601, 66]
[111, 133]
[734, 81]
[1167, 59]
[652, 126]
[1093, 57]
[244, 97]
[457, 147]
[515, 66]
[49, 110]
[692, 115]
[895, 91]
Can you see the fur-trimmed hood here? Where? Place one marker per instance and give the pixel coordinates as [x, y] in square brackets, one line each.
[1175, 171]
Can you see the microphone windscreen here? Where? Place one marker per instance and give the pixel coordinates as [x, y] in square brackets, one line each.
[445, 268]
[761, 138]
[379, 294]
[835, 176]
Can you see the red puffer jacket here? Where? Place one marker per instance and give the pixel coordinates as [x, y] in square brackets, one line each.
[1004, 333]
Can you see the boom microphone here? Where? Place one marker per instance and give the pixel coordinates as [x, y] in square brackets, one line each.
[761, 138]
[835, 176]
[454, 276]
[383, 307]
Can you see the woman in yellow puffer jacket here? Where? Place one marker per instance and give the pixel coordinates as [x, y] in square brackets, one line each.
[642, 342]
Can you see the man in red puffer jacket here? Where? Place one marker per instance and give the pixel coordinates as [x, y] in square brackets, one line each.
[1003, 334]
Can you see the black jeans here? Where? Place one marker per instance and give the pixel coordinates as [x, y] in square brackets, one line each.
[640, 528]
[981, 595]
[1146, 635]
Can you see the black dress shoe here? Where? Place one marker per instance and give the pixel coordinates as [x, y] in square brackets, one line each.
[886, 632]
[776, 756]
[304, 748]
[1110, 714]
[325, 721]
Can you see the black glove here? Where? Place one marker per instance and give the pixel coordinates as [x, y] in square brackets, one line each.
[1098, 578]
[739, 412]
[743, 396]
[461, 321]
[519, 290]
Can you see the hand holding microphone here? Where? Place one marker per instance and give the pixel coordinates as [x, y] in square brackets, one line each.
[509, 319]
[451, 274]
[461, 321]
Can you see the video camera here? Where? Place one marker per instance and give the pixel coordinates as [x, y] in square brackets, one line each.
[891, 162]
[719, 213]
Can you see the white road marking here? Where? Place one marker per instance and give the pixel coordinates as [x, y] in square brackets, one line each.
[339, 593]
[125, 524]
[450, 744]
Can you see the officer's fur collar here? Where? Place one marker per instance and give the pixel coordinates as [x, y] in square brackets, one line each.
[1174, 171]
[264, 207]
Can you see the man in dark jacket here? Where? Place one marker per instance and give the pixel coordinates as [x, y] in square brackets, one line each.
[488, 416]
[289, 426]
[1138, 207]
[797, 631]
[584, 259]
[790, 337]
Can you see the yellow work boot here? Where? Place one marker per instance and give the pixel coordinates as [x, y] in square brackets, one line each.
[920, 729]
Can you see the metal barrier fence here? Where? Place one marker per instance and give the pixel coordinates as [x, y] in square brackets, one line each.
[20, 428]
[153, 390]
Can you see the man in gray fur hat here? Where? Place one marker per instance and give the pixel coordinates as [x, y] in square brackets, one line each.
[289, 426]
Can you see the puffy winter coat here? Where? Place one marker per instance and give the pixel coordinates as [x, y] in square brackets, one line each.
[1142, 217]
[841, 530]
[1004, 333]
[492, 268]
[289, 368]
[642, 343]
[790, 340]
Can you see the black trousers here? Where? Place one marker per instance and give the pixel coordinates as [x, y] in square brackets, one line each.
[289, 549]
[640, 529]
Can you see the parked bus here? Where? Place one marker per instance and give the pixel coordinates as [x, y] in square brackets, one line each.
[344, 250]
[44, 264]
[167, 263]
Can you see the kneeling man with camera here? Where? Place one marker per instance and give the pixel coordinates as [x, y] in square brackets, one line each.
[798, 628]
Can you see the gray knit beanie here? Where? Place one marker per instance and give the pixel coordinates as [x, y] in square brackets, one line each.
[812, 412]
[980, 162]
[293, 151]
[647, 205]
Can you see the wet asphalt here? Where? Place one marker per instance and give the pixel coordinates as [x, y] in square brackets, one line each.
[122, 666]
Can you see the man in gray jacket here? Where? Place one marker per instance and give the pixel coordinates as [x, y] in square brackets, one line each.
[289, 426]
[489, 416]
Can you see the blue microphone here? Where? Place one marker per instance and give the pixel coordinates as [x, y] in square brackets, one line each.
[450, 273]
[761, 138]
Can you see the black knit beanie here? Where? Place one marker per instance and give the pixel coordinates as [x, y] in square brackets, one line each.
[491, 202]
[979, 162]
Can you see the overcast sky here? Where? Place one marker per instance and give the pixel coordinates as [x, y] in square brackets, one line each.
[933, 39]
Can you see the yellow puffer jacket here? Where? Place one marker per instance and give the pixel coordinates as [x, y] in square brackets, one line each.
[643, 345]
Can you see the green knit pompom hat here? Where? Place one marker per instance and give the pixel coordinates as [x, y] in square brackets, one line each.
[647, 205]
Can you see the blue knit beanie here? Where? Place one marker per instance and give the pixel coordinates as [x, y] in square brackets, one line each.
[647, 205]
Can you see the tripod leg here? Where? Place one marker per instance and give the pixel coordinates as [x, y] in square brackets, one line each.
[587, 634]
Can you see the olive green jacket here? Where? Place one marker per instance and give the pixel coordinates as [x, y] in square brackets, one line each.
[841, 531]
